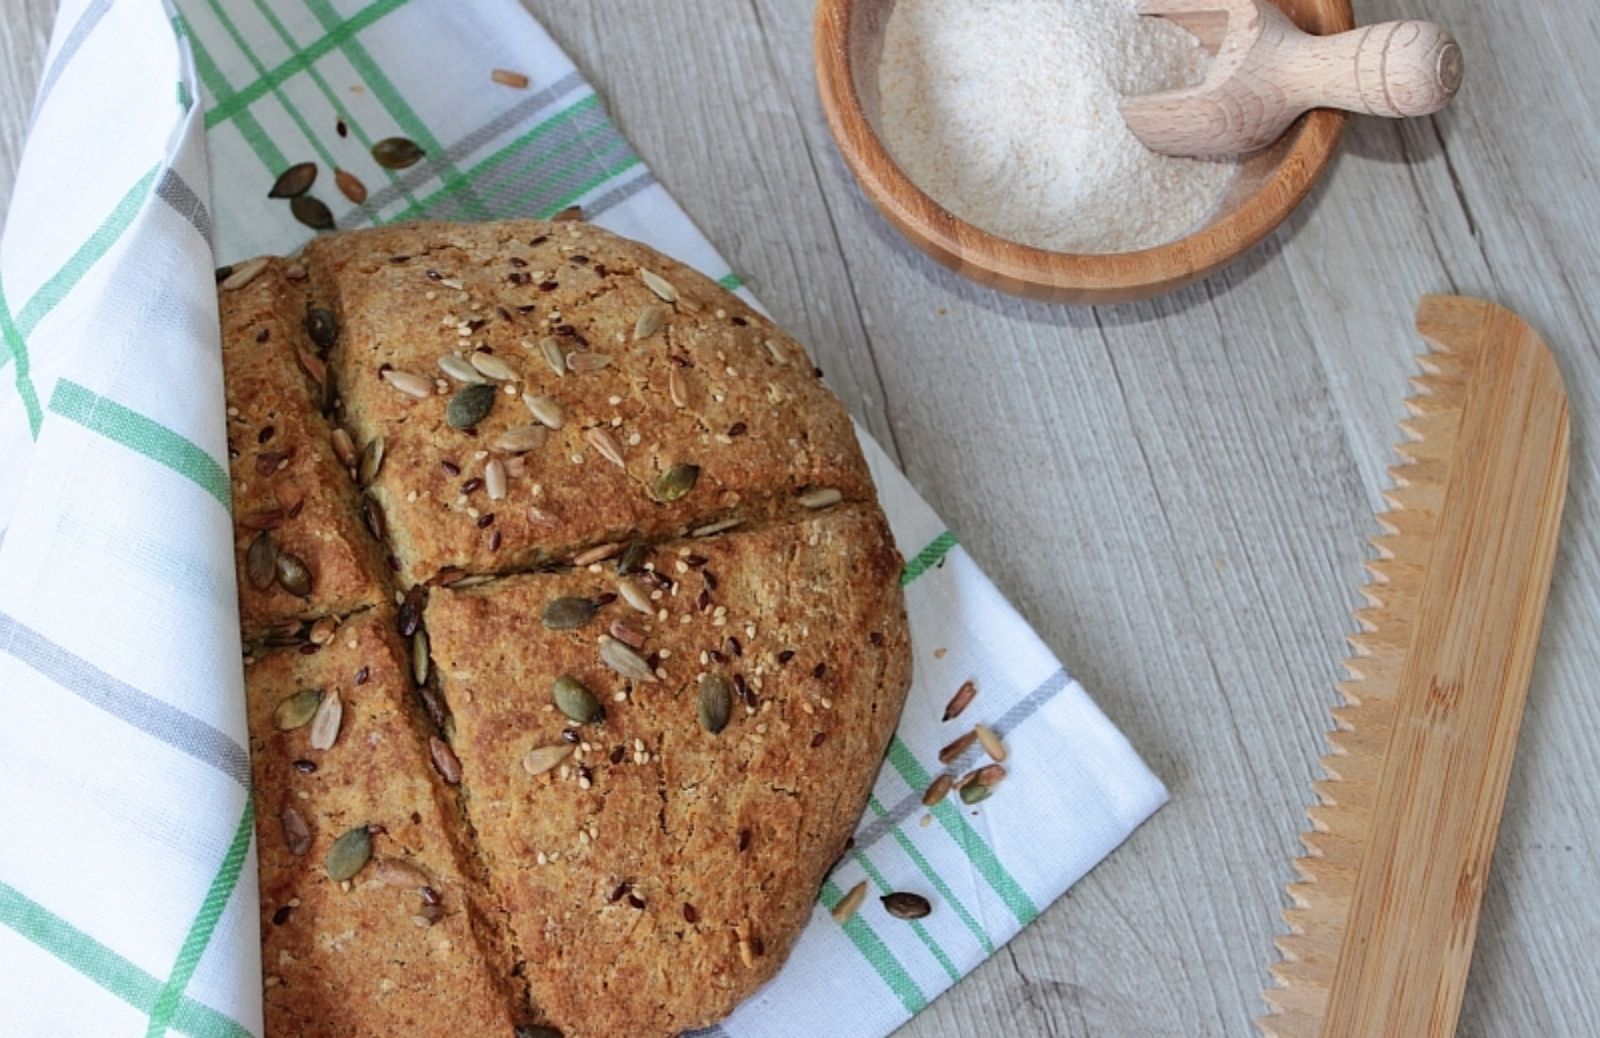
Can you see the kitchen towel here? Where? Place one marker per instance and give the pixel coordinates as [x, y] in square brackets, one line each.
[127, 864]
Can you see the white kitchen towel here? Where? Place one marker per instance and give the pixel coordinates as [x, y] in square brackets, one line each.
[127, 893]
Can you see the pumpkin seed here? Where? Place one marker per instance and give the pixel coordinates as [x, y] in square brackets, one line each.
[676, 481]
[636, 596]
[297, 710]
[957, 747]
[651, 318]
[419, 657]
[632, 559]
[350, 185]
[312, 212]
[564, 614]
[678, 388]
[520, 438]
[587, 363]
[716, 701]
[493, 367]
[546, 410]
[296, 834]
[325, 723]
[543, 759]
[293, 575]
[349, 854]
[469, 406]
[322, 327]
[573, 698]
[659, 285]
[553, 356]
[397, 872]
[409, 384]
[445, 761]
[991, 742]
[821, 498]
[397, 153]
[494, 479]
[976, 793]
[606, 445]
[625, 661]
[344, 448]
[371, 460]
[906, 906]
[296, 180]
[847, 906]
[244, 273]
[458, 369]
[261, 561]
[938, 790]
[960, 701]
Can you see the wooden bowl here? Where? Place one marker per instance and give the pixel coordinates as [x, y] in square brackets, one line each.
[1269, 184]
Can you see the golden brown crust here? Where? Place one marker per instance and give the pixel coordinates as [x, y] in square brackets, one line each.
[757, 421]
[285, 478]
[684, 843]
[364, 960]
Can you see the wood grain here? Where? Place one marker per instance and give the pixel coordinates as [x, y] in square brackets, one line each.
[1177, 493]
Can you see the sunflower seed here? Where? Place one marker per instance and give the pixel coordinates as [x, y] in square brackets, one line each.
[493, 367]
[322, 630]
[715, 703]
[397, 872]
[529, 1031]
[719, 526]
[606, 445]
[546, 410]
[820, 498]
[776, 352]
[847, 906]
[659, 285]
[469, 406]
[296, 711]
[444, 760]
[960, 701]
[574, 700]
[409, 384]
[371, 460]
[408, 619]
[344, 448]
[261, 561]
[587, 363]
[325, 724]
[494, 479]
[636, 596]
[991, 742]
[349, 854]
[350, 185]
[651, 318]
[244, 273]
[545, 758]
[599, 553]
[296, 180]
[988, 775]
[296, 834]
[520, 438]
[372, 512]
[419, 657]
[553, 355]
[676, 481]
[906, 906]
[625, 661]
[312, 365]
[957, 747]
[312, 212]
[322, 327]
[976, 793]
[570, 214]
[397, 153]
[564, 614]
[626, 633]
[505, 77]
[293, 575]
[459, 369]
[938, 790]
[678, 387]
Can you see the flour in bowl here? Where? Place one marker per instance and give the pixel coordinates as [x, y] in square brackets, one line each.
[1005, 113]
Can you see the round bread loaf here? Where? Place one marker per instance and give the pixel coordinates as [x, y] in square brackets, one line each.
[582, 543]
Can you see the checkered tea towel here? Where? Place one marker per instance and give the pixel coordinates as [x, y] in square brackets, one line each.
[127, 890]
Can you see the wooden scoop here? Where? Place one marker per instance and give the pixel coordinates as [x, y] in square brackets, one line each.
[1267, 72]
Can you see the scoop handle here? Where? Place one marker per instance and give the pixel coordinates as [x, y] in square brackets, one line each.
[1393, 69]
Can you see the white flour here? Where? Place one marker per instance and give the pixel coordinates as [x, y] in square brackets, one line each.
[1005, 113]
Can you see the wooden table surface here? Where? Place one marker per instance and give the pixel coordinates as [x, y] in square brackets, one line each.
[1176, 493]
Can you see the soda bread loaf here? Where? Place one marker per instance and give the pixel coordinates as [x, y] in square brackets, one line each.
[574, 636]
